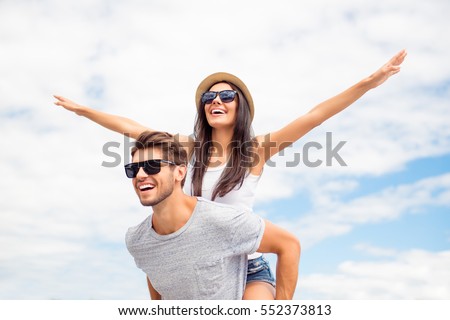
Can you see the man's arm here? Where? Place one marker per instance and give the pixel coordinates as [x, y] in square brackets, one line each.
[287, 248]
[154, 295]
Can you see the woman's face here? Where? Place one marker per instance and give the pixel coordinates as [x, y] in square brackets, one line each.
[218, 113]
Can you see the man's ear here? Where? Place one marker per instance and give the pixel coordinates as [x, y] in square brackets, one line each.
[180, 172]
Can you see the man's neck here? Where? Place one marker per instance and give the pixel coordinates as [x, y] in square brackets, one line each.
[172, 214]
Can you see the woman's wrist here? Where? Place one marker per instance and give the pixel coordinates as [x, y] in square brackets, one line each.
[367, 83]
[82, 111]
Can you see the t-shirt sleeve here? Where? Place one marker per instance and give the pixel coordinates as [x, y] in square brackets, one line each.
[248, 230]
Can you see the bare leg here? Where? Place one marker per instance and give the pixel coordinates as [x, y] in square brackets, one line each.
[259, 290]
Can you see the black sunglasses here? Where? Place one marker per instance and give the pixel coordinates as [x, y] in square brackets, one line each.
[150, 167]
[225, 96]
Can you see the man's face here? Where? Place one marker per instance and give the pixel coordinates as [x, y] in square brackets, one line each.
[153, 189]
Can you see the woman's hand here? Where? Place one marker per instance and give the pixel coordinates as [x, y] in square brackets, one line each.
[390, 68]
[69, 105]
[113, 122]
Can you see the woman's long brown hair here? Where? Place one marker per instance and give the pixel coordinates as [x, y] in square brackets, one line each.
[241, 150]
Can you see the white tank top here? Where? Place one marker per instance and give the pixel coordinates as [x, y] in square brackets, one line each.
[243, 197]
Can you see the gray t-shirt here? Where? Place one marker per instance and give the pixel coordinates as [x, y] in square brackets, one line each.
[205, 259]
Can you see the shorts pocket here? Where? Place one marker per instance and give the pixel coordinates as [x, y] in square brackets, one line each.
[257, 265]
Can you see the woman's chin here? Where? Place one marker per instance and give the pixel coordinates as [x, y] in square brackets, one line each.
[220, 123]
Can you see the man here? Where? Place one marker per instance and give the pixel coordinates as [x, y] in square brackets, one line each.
[192, 248]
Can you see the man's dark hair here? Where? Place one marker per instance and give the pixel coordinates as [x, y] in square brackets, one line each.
[170, 147]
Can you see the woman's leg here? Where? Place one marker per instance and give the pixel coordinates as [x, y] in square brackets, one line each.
[259, 290]
[260, 281]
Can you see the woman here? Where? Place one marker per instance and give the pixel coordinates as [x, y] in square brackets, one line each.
[226, 160]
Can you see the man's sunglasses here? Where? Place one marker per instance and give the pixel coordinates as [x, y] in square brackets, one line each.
[225, 95]
[150, 167]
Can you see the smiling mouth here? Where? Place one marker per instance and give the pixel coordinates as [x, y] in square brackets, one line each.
[146, 187]
[217, 111]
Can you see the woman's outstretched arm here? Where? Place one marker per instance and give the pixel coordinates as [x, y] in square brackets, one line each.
[299, 127]
[116, 123]
[113, 122]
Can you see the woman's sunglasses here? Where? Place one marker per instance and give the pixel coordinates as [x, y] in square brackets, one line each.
[150, 167]
[224, 95]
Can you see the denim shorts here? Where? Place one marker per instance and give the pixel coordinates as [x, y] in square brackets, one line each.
[259, 270]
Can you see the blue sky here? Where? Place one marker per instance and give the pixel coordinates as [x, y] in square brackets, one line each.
[378, 228]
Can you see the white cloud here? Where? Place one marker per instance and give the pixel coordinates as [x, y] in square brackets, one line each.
[412, 274]
[332, 217]
[375, 251]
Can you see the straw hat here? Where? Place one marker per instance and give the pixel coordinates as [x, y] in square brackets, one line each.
[214, 78]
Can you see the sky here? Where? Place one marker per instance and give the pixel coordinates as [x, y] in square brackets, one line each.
[377, 227]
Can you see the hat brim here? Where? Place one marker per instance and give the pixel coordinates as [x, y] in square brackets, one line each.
[214, 78]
